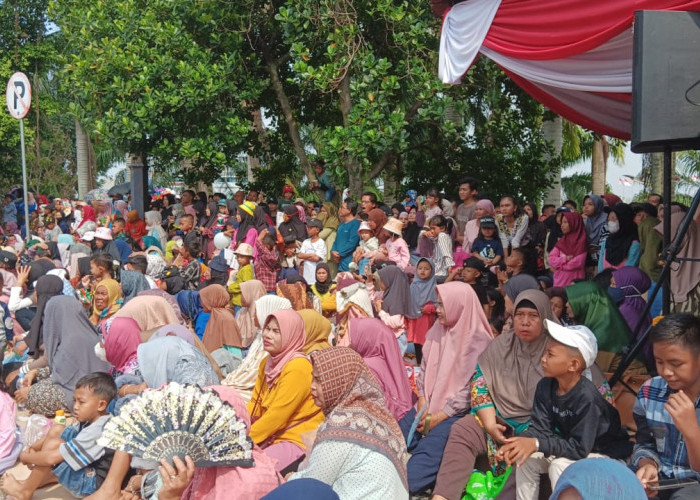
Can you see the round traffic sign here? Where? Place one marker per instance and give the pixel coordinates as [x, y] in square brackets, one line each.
[18, 95]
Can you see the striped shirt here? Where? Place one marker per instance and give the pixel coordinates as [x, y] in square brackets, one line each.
[443, 254]
[657, 436]
[83, 449]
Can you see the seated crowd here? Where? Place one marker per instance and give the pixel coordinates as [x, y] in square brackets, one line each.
[372, 351]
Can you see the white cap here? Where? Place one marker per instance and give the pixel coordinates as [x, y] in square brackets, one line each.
[88, 236]
[577, 336]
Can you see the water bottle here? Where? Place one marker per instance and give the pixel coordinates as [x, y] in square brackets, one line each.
[20, 384]
[60, 417]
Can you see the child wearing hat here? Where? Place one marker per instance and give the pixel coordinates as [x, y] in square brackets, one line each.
[244, 257]
[396, 249]
[487, 247]
[571, 420]
[369, 245]
[313, 250]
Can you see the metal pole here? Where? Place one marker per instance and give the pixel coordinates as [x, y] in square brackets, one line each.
[668, 178]
[24, 181]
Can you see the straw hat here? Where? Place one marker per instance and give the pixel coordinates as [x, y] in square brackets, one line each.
[244, 249]
[394, 225]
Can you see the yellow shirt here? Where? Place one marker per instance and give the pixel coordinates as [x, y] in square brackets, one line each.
[244, 274]
[285, 410]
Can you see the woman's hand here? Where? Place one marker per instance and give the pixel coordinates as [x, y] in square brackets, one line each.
[496, 432]
[175, 481]
[21, 395]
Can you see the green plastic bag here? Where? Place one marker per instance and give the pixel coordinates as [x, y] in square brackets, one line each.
[485, 486]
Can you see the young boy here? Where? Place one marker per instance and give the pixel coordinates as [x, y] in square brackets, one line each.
[118, 228]
[244, 256]
[267, 262]
[190, 270]
[313, 250]
[570, 419]
[667, 411]
[71, 455]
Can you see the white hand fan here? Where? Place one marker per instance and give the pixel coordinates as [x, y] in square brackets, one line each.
[180, 420]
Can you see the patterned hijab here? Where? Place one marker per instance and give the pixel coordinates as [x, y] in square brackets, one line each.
[355, 408]
[114, 292]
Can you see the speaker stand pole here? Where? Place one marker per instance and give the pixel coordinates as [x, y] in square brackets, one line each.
[668, 179]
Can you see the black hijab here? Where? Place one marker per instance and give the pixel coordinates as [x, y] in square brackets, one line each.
[46, 288]
[294, 227]
[247, 222]
[323, 287]
[618, 244]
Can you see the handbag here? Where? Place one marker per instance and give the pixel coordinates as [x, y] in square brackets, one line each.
[485, 486]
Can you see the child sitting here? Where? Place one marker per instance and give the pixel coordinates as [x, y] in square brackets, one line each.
[666, 412]
[369, 245]
[118, 228]
[443, 260]
[244, 256]
[570, 418]
[188, 264]
[71, 455]
[395, 249]
[10, 443]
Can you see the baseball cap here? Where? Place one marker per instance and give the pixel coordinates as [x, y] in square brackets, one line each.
[271, 200]
[487, 222]
[577, 336]
[9, 259]
[315, 223]
[474, 263]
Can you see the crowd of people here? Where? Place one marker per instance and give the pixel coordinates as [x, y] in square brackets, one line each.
[373, 351]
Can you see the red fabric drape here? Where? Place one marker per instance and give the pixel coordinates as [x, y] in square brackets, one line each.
[555, 29]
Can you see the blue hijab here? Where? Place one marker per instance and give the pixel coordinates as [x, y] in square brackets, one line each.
[595, 478]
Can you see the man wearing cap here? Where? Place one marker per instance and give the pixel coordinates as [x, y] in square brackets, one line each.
[571, 420]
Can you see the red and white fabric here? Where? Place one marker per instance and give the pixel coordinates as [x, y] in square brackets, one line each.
[574, 56]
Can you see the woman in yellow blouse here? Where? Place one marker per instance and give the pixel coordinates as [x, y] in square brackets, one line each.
[281, 407]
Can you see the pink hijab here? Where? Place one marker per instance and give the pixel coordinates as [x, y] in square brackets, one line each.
[451, 351]
[377, 345]
[121, 342]
[293, 340]
[471, 230]
[216, 483]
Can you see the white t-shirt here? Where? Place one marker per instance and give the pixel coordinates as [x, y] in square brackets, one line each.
[318, 248]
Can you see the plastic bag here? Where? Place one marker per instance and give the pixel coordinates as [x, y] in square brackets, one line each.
[37, 427]
[484, 486]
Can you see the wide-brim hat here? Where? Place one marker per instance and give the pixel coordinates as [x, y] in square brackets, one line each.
[244, 249]
[103, 233]
[394, 225]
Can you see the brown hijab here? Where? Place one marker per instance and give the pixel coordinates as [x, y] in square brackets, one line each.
[378, 216]
[222, 328]
[251, 291]
[512, 368]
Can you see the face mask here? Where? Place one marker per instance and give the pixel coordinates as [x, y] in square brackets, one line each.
[613, 227]
[100, 352]
[616, 294]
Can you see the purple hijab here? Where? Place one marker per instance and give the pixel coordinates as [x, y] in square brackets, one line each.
[634, 283]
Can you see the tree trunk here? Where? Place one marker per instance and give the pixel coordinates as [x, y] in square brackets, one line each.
[599, 167]
[82, 150]
[552, 131]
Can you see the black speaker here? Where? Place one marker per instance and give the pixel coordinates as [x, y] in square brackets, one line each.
[666, 81]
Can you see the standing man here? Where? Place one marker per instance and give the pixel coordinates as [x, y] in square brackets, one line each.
[369, 202]
[347, 238]
[188, 203]
[468, 190]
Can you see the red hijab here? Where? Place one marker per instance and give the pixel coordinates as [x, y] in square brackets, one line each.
[88, 215]
[574, 243]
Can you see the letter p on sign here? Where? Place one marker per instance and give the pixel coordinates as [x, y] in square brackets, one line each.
[18, 95]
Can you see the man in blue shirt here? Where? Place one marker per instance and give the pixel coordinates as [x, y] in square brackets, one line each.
[346, 239]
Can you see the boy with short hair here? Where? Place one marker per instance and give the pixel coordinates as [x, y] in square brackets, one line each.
[267, 263]
[187, 262]
[313, 250]
[71, 455]
[570, 419]
[667, 411]
[118, 225]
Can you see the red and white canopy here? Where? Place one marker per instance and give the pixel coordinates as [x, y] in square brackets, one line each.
[574, 56]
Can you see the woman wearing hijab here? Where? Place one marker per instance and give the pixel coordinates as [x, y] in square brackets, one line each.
[317, 329]
[329, 217]
[69, 345]
[247, 231]
[133, 282]
[591, 306]
[150, 312]
[154, 226]
[244, 377]
[294, 289]
[46, 288]
[281, 406]
[107, 301]
[568, 257]
[394, 302]
[515, 286]
[88, 216]
[122, 337]
[450, 355]
[377, 218]
[121, 208]
[190, 304]
[352, 301]
[251, 291]
[324, 289]
[503, 385]
[292, 228]
[596, 232]
[632, 283]
[208, 227]
[222, 329]
[621, 247]
[375, 342]
[359, 450]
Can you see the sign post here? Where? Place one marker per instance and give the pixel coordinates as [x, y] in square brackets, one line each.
[19, 98]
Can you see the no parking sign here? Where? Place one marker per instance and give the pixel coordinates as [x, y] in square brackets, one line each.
[18, 95]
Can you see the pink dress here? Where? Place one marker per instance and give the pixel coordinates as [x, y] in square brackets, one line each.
[397, 251]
